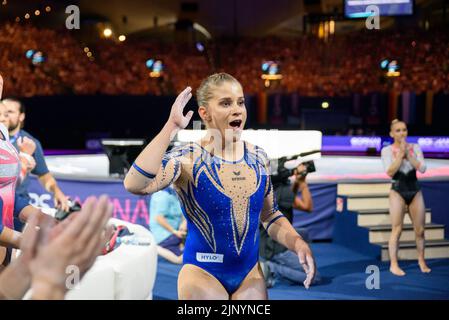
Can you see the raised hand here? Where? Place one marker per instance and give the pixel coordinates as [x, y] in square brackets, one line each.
[409, 154]
[26, 145]
[403, 149]
[177, 118]
[28, 162]
[76, 242]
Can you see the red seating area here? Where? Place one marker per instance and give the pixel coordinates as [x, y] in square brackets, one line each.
[344, 64]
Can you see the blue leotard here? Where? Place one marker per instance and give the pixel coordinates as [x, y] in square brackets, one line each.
[223, 202]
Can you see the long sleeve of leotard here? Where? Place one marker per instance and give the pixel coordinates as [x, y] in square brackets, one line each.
[270, 210]
[168, 172]
[387, 158]
[420, 157]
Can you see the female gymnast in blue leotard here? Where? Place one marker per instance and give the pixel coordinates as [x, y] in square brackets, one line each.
[225, 190]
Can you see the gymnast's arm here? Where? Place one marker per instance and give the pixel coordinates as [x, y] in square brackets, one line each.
[281, 230]
[148, 174]
[278, 227]
[272, 219]
[391, 165]
[9, 237]
[416, 158]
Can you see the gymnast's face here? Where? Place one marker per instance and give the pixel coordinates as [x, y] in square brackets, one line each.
[225, 111]
[399, 132]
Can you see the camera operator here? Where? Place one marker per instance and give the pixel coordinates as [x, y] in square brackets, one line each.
[276, 261]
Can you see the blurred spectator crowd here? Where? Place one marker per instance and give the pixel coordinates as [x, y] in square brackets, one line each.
[310, 66]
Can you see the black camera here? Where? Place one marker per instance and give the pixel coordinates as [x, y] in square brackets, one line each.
[282, 174]
[74, 206]
[310, 167]
[287, 167]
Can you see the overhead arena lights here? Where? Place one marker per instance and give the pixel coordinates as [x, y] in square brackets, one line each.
[271, 71]
[36, 57]
[107, 32]
[156, 67]
[391, 66]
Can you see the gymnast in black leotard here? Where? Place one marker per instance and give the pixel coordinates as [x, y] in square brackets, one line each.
[401, 160]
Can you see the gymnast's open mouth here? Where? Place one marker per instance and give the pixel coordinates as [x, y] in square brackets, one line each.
[236, 124]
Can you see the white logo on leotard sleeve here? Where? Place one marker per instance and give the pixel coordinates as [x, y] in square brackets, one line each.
[209, 257]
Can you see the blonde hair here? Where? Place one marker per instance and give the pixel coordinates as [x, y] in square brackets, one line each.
[396, 121]
[204, 92]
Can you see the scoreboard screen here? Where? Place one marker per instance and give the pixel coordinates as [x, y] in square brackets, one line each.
[358, 8]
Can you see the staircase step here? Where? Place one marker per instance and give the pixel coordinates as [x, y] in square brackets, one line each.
[370, 203]
[364, 203]
[407, 250]
[380, 234]
[354, 189]
[367, 195]
[387, 227]
[382, 217]
[376, 211]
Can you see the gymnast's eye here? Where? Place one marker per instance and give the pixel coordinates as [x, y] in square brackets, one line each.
[226, 103]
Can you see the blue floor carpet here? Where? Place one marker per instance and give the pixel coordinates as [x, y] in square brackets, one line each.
[343, 277]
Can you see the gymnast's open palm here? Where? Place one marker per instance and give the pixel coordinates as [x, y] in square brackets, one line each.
[177, 117]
